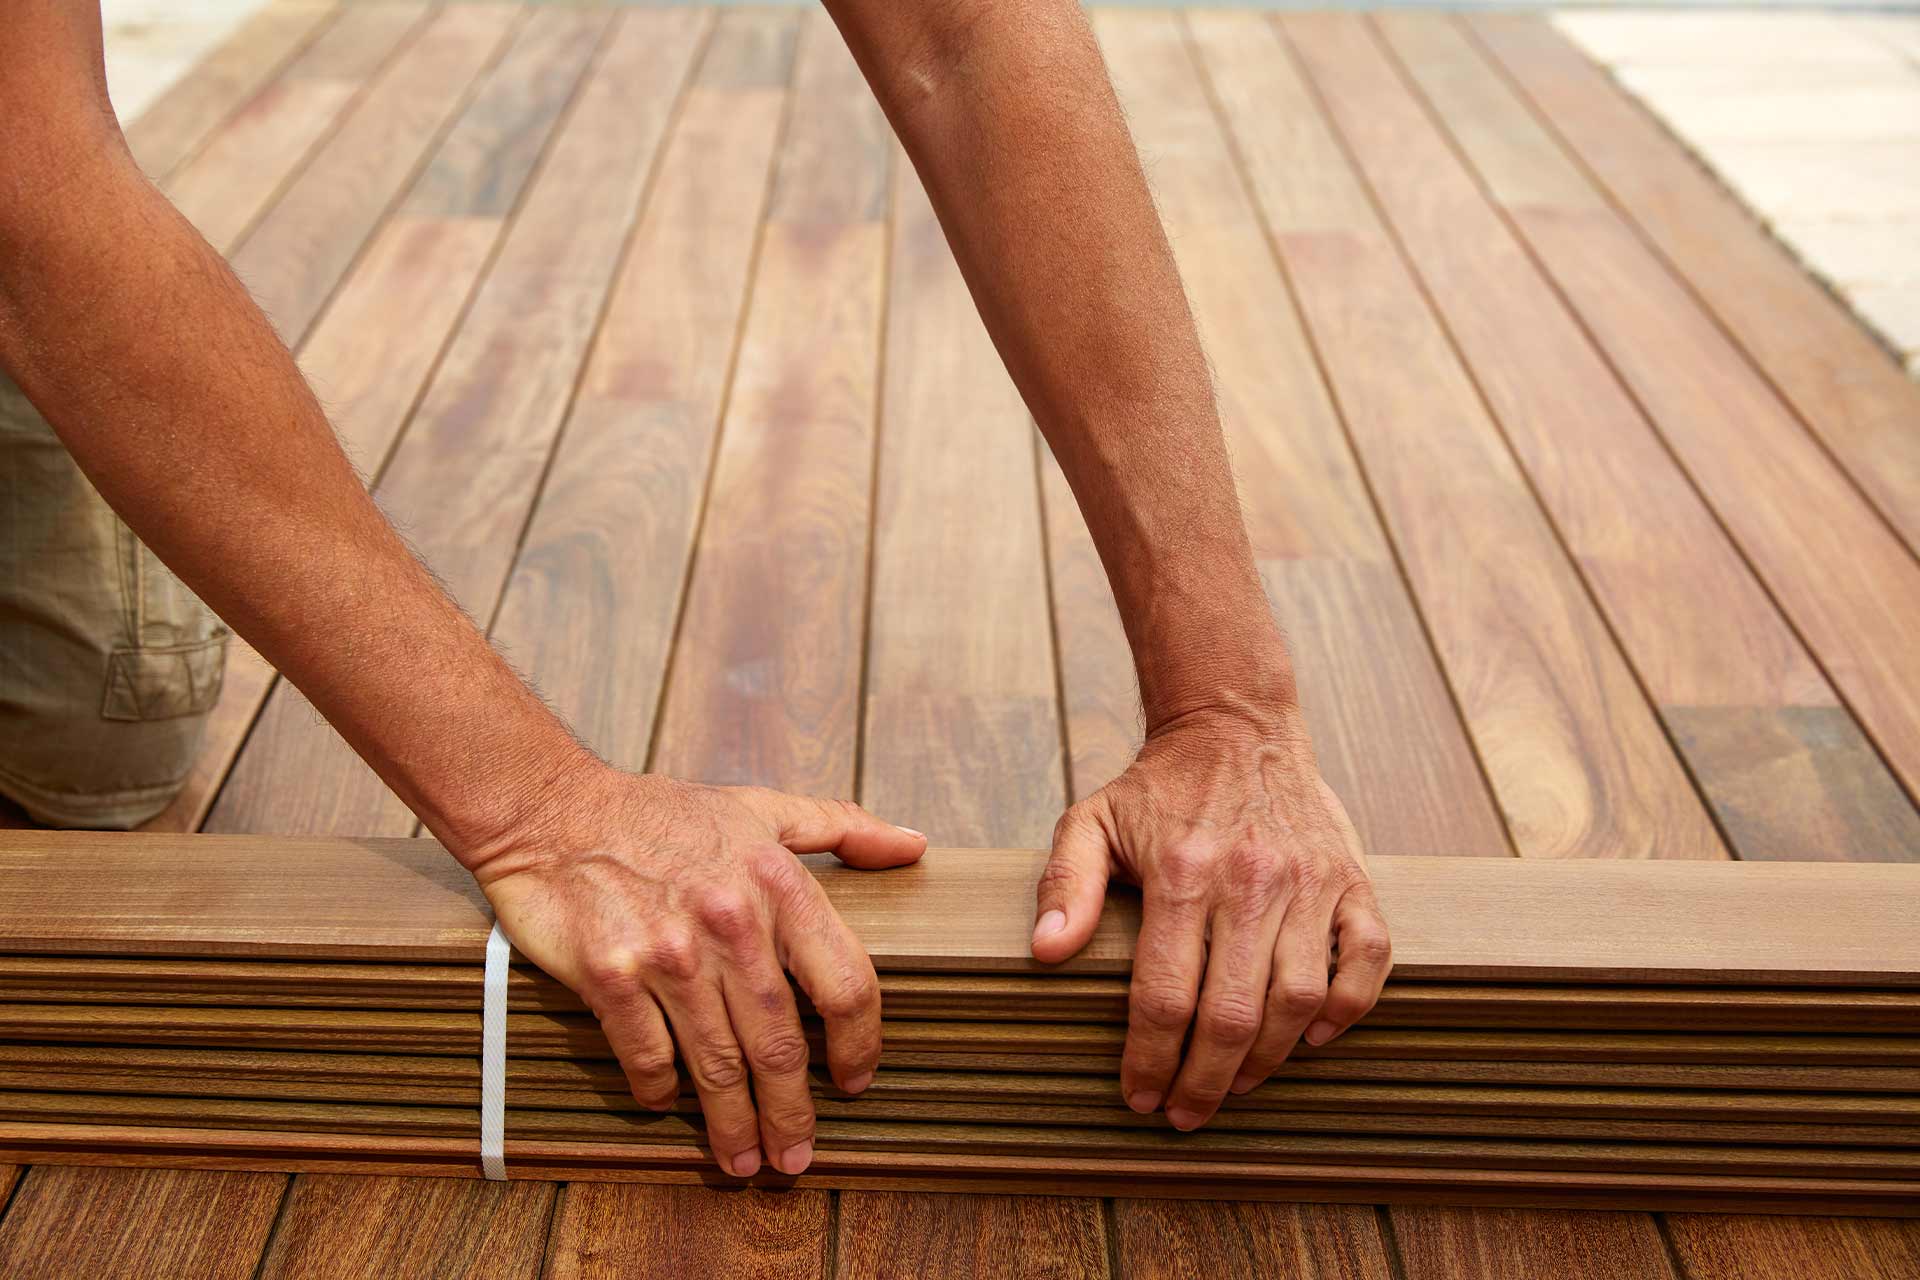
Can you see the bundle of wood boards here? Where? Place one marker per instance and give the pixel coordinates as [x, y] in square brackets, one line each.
[1678, 1034]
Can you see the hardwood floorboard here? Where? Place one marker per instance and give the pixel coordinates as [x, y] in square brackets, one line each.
[177, 123]
[1752, 1247]
[136, 1223]
[1439, 1243]
[1245, 1240]
[1795, 513]
[897, 1235]
[606, 1231]
[346, 1226]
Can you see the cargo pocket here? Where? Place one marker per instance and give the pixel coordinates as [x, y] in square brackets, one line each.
[178, 651]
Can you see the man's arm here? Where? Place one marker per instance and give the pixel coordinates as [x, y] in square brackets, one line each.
[1247, 861]
[662, 904]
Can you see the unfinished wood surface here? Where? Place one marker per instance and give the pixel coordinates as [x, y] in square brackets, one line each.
[1720, 664]
[1219, 1240]
[1578, 762]
[886, 1234]
[1439, 1243]
[1737, 1247]
[602, 1231]
[1798, 516]
[336, 1225]
[1385, 729]
[158, 1223]
[178, 123]
[607, 551]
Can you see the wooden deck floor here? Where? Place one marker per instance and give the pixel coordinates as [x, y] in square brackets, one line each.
[1593, 522]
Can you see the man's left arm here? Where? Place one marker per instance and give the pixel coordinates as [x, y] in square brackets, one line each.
[1252, 877]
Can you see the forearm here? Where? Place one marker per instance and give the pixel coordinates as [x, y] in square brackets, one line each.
[174, 395]
[1008, 115]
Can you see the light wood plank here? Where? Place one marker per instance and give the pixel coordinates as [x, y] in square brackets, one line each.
[601, 1232]
[1223, 1240]
[335, 1225]
[159, 1223]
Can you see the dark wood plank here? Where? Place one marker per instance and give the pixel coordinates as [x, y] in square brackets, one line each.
[160, 1223]
[893, 1235]
[1226, 1240]
[1389, 739]
[466, 472]
[1729, 678]
[298, 252]
[448, 1229]
[1840, 380]
[1577, 759]
[1437, 1243]
[224, 188]
[1749, 1247]
[180, 120]
[636, 1233]
[1838, 572]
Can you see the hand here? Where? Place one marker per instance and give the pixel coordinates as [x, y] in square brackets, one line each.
[1251, 874]
[667, 904]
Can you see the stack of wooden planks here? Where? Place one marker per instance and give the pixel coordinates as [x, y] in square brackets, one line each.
[1556, 1032]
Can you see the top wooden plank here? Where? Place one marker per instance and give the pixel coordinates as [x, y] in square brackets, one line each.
[970, 909]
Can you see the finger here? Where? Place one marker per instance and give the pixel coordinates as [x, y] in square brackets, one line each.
[1363, 957]
[766, 1021]
[637, 1031]
[719, 1072]
[1167, 961]
[832, 967]
[1072, 888]
[805, 824]
[1295, 994]
[1232, 1006]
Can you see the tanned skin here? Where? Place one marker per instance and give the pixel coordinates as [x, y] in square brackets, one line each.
[677, 910]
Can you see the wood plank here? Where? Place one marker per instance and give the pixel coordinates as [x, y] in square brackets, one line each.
[1859, 402]
[1755, 1248]
[337, 1225]
[1437, 1243]
[1578, 762]
[157, 1223]
[1787, 771]
[298, 252]
[602, 1230]
[893, 1233]
[224, 188]
[468, 469]
[372, 351]
[1224, 1240]
[1388, 737]
[1778, 492]
[177, 123]
[1484, 919]
[607, 551]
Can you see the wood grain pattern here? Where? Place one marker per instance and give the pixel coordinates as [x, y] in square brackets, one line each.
[1719, 663]
[1840, 380]
[333, 1225]
[606, 1231]
[1218, 1240]
[224, 188]
[159, 1223]
[892, 1235]
[1385, 729]
[609, 544]
[177, 123]
[1507, 1244]
[1577, 760]
[298, 252]
[1740, 1247]
[1780, 495]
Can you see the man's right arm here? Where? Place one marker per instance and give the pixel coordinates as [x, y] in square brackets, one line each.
[181, 405]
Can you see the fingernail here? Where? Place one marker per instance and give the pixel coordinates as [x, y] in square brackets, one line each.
[1143, 1101]
[857, 1083]
[795, 1158]
[1320, 1032]
[1244, 1081]
[747, 1163]
[918, 835]
[1050, 924]
[1183, 1119]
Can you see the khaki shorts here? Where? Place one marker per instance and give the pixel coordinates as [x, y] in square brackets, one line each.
[108, 665]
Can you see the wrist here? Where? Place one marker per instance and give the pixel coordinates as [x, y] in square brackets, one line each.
[1215, 675]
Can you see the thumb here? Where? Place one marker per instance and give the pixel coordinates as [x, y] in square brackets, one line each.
[808, 825]
[1072, 888]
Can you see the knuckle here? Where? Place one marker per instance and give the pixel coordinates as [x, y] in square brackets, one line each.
[1301, 997]
[1307, 878]
[852, 993]
[1185, 873]
[781, 1051]
[791, 1120]
[728, 915]
[650, 1063]
[1160, 1007]
[1058, 878]
[1257, 873]
[721, 1069]
[1368, 946]
[772, 866]
[1229, 1019]
[615, 976]
[672, 956]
